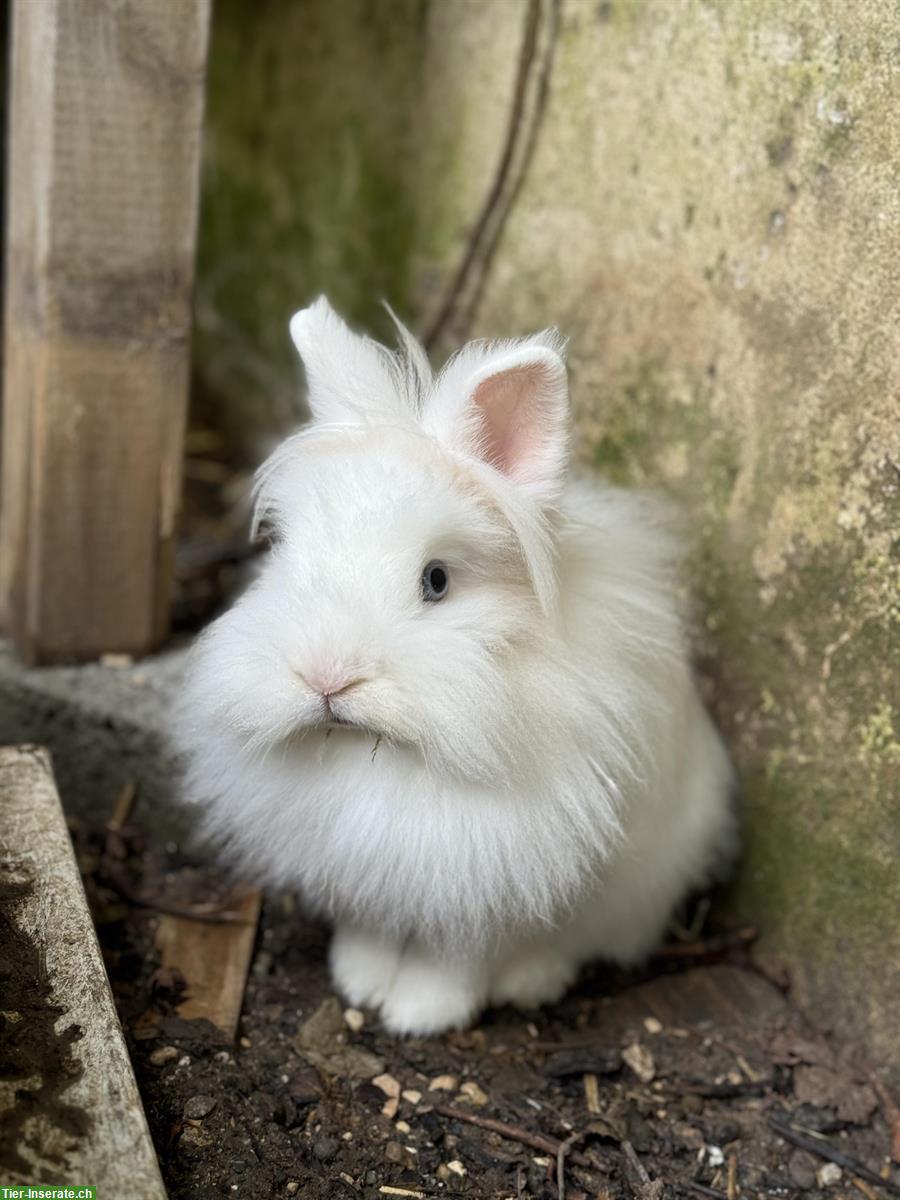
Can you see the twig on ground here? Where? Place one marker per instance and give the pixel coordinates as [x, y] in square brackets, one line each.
[642, 1186]
[564, 1148]
[592, 1093]
[123, 806]
[701, 1189]
[732, 1177]
[708, 947]
[218, 913]
[890, 1110]
[515, 1133]
[824, 1149]
[863, 1187]
[691, 932]
[719, 1091]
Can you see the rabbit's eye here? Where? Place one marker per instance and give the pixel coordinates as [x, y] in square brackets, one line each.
[435, 581]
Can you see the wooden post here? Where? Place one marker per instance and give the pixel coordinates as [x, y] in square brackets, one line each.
[106, 107]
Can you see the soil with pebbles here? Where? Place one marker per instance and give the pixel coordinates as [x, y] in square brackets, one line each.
[670, 1083]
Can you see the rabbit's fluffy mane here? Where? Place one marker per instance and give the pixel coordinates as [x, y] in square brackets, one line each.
[508, 739]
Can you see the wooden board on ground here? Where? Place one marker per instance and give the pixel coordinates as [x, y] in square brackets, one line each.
[105, 120]
[69, 1105]
[731, 1002]
[214, 958]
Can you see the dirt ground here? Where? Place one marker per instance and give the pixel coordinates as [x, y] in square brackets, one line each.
[697, 1078]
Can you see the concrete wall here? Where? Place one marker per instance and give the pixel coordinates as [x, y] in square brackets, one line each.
[704, 195]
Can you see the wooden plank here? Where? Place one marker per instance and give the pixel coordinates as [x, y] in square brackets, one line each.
[106, 107]
[69, 1105]
[214, 958]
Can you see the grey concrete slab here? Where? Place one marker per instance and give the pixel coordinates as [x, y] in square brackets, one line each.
[70, 1112]
[105, 725]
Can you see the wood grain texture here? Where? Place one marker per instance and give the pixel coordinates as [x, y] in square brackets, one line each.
[88, 1125]
[214, 959]
[106, 109]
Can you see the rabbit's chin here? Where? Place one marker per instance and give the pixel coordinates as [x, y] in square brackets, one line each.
[308, 736]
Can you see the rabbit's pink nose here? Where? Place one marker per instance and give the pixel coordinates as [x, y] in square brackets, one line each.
[330, 683]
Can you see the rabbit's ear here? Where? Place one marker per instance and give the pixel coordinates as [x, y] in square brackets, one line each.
[348, 376]
[508, 404]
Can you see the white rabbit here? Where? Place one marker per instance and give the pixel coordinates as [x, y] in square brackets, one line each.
[455, 709]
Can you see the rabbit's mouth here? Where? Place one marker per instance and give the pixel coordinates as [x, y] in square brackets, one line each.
[344, 724]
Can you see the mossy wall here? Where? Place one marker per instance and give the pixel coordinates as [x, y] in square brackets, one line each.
[308, 180]
[704, 195]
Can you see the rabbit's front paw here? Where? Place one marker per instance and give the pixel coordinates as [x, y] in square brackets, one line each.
[533, 977]
[363, 966]
[427, 997]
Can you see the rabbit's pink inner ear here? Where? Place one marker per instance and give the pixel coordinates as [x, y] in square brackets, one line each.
[522, 419]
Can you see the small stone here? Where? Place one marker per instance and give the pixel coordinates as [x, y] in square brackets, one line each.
[184, 1061]
[192, 1135]
[443, 1083]
[355, 1019]
[689, 1137]
[639, 1131]
[714, 1156]
[387, 1084]
[390, 1106]
[198, 1107]
[802, 1170]
[411, 1096]
[471, 1091]
[393, 1152]
[163, 1054]
[117, 661]
[262, 965]
[304, 1086]
[828, 1175]
[325, 1148]
[443, 1172]
[144, 1027]
[245, 1043]
[292, 1187]
[402, 1127]
[652, 1025]
[457, 1168]
[640, 1060]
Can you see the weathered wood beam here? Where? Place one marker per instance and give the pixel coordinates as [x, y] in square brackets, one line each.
[69, 1105]
[105, 122]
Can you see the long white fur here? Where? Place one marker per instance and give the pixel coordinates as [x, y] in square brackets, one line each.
[529, 779]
